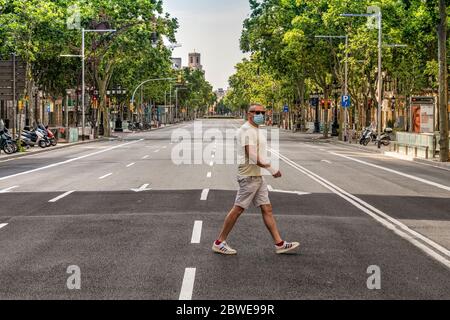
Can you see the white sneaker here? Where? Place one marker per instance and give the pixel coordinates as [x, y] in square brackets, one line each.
[286, 247]
[223, 248]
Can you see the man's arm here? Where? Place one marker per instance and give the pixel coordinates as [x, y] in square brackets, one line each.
[252, 154]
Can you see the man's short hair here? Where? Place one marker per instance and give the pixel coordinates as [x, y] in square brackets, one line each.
[253, 106]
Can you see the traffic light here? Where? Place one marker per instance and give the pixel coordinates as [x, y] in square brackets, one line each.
[180, 79]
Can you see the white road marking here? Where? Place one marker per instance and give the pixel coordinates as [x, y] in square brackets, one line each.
[188, 284]
[61, 196]
[322, 150]
[213, 155]
[156, 151]
[204, 195]
[145, 157]
[269, 187]
[68, 161]
[438, 252]
[2, 225]
[105, 176]
[165, 147]
[8, 189]
[197, 232]
[209, 175]
[431, 183]
[131, 164]
[326, 161]
[144, 187]
[211, 163]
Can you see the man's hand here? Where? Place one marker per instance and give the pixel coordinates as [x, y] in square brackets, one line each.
[277, 175]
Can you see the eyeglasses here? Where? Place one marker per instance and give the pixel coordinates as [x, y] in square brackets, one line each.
[258, 112]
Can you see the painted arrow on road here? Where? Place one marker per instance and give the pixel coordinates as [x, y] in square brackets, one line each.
[142, 188]
[289, 192]
[8, 189]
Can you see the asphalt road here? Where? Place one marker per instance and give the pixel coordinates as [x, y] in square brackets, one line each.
[125, 214]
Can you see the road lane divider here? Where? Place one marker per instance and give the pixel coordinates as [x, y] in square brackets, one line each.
[204, 195]
[431, 248]
[144, 187]
[431, 183]
[211, 163]
[61, 196]
[131, 164]
[157, 150]
[8, 189]
[105, 176]
[145, 157]
[2, 225]
[188, 284]
[209, 174]
[326, 161]
[68, 161]
[197, 232]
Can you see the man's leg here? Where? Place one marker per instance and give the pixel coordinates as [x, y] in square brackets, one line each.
[270, 223]
[229, 223]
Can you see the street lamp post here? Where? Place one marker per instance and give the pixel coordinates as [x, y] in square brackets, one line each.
[83, 60]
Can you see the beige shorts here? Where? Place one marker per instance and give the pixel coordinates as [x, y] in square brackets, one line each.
[252, 190]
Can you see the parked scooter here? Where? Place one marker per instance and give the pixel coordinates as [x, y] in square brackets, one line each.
[367, 136]
[32, 138]
[51, 136]
[6, 143]
[385, 138]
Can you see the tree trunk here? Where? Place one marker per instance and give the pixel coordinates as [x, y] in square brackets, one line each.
[443, 85]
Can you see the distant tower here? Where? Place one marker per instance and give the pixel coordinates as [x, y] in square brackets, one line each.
[195, 61]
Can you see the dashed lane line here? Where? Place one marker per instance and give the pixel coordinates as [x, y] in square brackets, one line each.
[197, 232]
[131, 164]
[188, 284]
[105, 176]
[61, 196]
[204, 195]
[68, 161]
[209, 174]
[2, 225]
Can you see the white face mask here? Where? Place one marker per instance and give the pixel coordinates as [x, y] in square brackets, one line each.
[259, 119]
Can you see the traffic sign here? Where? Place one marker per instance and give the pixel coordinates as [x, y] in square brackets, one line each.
[346, 101]
[286, 109]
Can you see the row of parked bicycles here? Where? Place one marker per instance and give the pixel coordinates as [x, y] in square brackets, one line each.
[40, 136]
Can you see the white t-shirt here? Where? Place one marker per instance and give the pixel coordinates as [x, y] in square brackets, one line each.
[249, 135]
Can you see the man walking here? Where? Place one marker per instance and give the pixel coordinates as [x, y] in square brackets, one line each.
[252, 186]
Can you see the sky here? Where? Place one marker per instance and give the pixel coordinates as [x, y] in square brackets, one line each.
[212, 28]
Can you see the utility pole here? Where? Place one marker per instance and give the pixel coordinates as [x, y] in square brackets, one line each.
[443, 85]
[14, 96]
